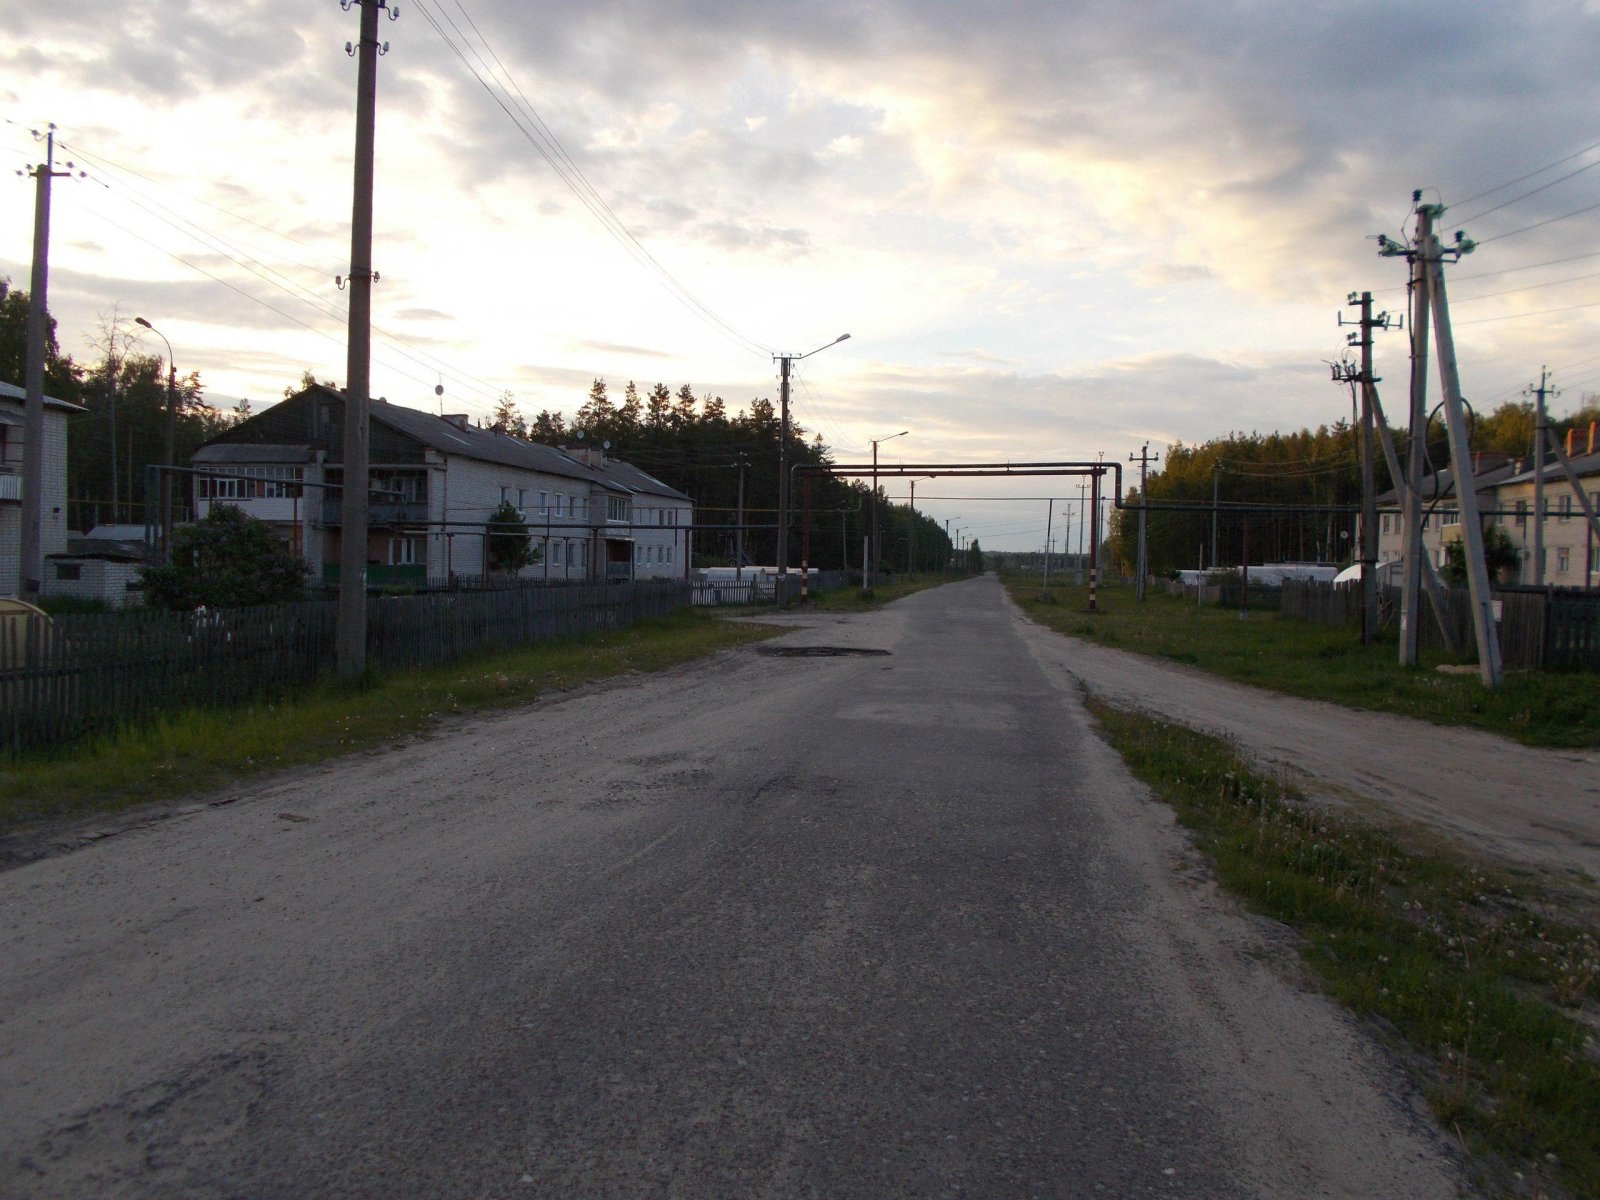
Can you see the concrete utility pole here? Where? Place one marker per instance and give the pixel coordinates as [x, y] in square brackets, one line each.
[1483, 626]
[1216, 491]
[31, 549]
[1142, 567]
[785, 364]
[1541, 426]
[351, 632]
[1049, 517]
[873, 563]
[738, 533]
[1411, 547]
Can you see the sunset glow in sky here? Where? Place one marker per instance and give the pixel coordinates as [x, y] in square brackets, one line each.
[1052, 230]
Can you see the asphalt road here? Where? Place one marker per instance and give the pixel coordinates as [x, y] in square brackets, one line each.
[862, 925]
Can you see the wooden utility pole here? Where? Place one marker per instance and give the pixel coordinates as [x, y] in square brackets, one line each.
[351, 632]
[1541, 426]
[1411, 547]
[30, 581]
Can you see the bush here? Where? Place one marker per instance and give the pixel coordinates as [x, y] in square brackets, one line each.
[228, 559]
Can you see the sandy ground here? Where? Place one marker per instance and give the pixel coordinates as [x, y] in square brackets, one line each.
[898, 925]
[1521, 805]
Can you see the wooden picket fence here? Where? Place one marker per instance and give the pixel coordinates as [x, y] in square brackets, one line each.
[1540, 628]
[76, 675]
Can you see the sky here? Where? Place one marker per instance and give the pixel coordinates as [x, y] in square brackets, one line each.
[1054, 231]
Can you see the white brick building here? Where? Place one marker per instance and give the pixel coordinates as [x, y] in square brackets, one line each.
[434, 481]
[53, 534]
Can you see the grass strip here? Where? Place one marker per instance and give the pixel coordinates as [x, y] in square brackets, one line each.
[196, 750]
[1489, 996]
[854, 599]
[1537, 708]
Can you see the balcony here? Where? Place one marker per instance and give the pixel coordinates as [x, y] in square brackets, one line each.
[383, 512]
[10, 486]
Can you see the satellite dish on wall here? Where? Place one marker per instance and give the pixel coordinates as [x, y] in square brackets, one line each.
[606, 445]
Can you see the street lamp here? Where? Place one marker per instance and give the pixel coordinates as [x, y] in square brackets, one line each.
[785, 361]
[872, 556]
[171, 439]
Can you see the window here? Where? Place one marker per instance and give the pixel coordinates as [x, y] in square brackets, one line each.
[618, 508]
[1566, 509]
[561, 505]
[249, 483]
[1563, 560]
[669, 553]
[522, 499]
[505, 495]
[1522, 512]
[544, 502]
[1385, 522]
[406, 552]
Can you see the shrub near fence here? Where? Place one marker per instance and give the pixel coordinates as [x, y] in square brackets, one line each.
[91, 673]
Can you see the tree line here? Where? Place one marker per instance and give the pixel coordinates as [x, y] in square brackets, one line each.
[697, 444]
[111, 446]
[692, 442]
[1254, 478]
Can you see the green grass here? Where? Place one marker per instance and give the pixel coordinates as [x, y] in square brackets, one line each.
[1464, 968]
[854, 599]
[1318, 663]
[195, 751]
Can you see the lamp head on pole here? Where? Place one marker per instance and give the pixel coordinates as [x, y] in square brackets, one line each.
[146, 324]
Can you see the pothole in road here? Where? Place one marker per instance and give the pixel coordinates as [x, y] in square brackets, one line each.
[822, 652]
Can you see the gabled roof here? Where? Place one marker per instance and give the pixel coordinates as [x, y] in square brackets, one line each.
[237, 445]
[1442, 484]
[1583, 464]
[632, 479]
[484, 445]
[11, 391]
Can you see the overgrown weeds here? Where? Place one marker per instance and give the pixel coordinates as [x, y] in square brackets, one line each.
[1492, 997]
[197, 750]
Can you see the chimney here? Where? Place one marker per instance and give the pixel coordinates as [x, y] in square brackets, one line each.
[459, 420]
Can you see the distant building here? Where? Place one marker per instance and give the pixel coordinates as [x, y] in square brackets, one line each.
[433, 483]
[53, 531]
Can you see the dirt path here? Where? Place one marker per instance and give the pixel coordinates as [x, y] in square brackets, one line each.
[1525, 806]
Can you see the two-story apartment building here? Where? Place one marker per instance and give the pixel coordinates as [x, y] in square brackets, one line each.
[1442, 511]
[1505, 493]
[53, 530]
[1571, 553]
[433, 483]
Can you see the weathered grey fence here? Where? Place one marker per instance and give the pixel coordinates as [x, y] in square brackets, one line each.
[1539, 627]
[74, 675]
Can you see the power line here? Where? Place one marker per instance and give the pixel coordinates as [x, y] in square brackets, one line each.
[1531, 192]
[1577, 212]
[556, 157]
[1519, 316]
[1532, 287]
[1524, 178]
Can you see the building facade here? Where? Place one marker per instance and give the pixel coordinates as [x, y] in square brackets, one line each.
[433, 484]
[53, 530]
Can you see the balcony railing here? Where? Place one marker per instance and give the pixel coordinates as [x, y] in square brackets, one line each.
[379, 513]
